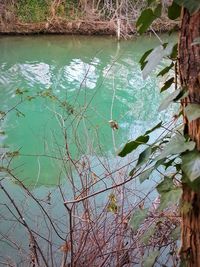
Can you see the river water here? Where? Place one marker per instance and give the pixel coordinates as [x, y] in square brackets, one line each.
[97, 77]
[61, 92]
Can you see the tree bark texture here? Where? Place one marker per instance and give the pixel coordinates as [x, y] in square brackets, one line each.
[189, 71]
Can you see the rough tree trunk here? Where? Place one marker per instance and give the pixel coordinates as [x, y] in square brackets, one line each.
[189, 70]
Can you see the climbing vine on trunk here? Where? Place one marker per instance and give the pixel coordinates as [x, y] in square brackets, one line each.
[180, 148]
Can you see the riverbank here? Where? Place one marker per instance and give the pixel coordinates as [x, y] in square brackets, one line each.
[57, 18]
[81, 27]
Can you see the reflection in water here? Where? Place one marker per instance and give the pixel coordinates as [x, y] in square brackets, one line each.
[85, 73]
[82, 73]
[38, 73]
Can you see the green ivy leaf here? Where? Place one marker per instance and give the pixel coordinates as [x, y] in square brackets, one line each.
[144, 21]
[169, 163]
[191, 165]
[168, 100]
[137, 218]
[154, 128]
[195, 185]
[144, 156]
[174, 52]
[183, 94]
[170, 197]
[191, 5]
[176, 145]
[132, 145]
[145, 174]
[158, 11]
[155, 57]
[174, 11]
[143, 61]
[150, 260]
[167, 84]
[165, 70]
[192, 111]
[165, 186]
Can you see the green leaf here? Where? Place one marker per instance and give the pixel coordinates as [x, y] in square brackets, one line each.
[145, 174]
[165, 70]
[176, 145]
[137, 218]
[174, 11]
[191, 165]
[167, 84]
[154, 128]
[168, 100]
[191, 5]
[144, 156]
[169, 198]
[195, 185]
[192, 111]
[150, 260]
[144, 21]
[143, 61]
[183, 94]
[132, 145]
[158, 10]
[154, 58]
[165, 186]
[174, 52]
[169, 163]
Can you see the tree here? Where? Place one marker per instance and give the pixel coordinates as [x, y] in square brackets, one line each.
[189, 76]
[187, 145]
[189, 72]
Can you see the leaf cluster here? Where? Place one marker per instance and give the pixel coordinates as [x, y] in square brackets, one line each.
[175, 151]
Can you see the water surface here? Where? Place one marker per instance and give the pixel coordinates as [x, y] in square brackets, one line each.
[60, 92]
[97, 78]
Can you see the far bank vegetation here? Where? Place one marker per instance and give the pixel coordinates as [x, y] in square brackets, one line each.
[115, 17]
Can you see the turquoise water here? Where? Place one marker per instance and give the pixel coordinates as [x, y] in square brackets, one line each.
[96, 78]
[59, 93]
